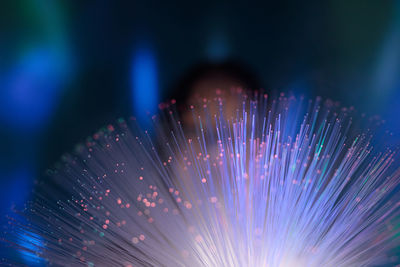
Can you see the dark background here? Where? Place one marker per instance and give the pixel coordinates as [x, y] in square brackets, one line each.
[68, 68]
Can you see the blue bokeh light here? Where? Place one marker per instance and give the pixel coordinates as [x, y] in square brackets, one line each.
[144, 80]
[16, 186]
[386, 72]
[217, 47]
[33, 245]
[30, 89]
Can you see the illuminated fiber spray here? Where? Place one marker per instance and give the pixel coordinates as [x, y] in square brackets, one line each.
[282, 182]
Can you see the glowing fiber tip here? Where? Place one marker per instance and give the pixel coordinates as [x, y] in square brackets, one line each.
[273, 182]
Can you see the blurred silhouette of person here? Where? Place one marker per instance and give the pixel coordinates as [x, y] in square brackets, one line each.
[201, 84]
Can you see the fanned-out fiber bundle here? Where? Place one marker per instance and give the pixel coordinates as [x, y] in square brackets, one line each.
[272, 182]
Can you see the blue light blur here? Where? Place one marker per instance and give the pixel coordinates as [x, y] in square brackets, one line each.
[30, 89]
[33, 243]
[144, 78]
[386, 78]
[217, 47]
[386, 86]
[16, 186]
[300, 87]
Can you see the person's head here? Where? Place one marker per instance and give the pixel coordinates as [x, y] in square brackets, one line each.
[206, 81]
